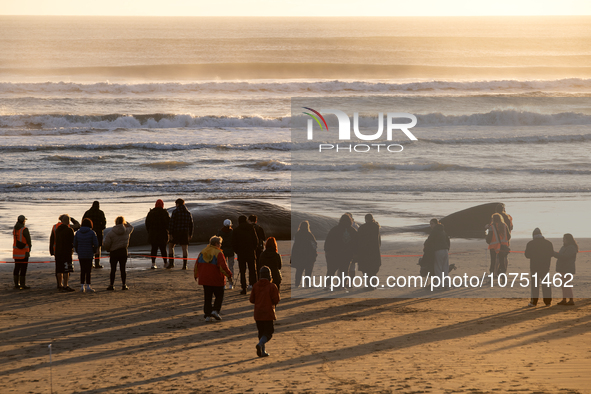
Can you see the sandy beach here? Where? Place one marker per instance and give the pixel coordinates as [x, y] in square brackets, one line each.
[153, 339]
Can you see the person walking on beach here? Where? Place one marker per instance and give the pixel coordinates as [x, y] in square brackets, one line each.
[116, 242]
[499, 242]
[566, 265]
[370, 240]
[427, 262]
[340, 246]
[61, 244]
[211, 272]
[264, 296]
[303, 253]
[437, 245]
[157, 222]
[181, 232]
[85, 243]
[539, 251]
[99, 223]
[252, 219]
[21, 250]
[272, 259]
[244, 243]
[226, 234]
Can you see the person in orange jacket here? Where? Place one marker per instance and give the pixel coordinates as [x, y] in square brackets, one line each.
[264, 296]
[211, 271]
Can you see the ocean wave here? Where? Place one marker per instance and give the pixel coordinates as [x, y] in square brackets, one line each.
[294, 87]
[269, 165]
[82, 124]
[73, 124]
[167, 165]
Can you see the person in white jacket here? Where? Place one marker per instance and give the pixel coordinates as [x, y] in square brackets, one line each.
[116, 242]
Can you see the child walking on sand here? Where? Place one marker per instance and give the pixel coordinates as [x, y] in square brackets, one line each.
[264, 296]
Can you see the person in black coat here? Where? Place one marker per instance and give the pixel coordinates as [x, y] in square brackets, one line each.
[370, 240]
[340, 246]
[303, 253]
[245, 242]
[252, 219]
[272, 259]
[539, 251]
[157, 222]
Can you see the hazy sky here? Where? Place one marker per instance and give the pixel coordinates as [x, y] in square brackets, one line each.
[295, 7]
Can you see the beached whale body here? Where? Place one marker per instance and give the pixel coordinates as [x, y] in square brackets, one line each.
[277, 221]
[208, 219]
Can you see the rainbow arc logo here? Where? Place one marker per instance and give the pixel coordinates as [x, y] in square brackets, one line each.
[315, 118]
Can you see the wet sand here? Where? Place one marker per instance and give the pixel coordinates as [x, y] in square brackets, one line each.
[153, 338]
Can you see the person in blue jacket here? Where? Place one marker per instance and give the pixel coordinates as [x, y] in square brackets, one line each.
[85, 244]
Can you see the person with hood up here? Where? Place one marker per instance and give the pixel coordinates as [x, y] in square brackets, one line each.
[539, 251]
[181, 231]
[157, 222]
[566, 265]
[116, 242]
[244, 243]
[226, 234]
[21, 250]
[264, 296]
[211, 272]
[85, 243]
[99, 223]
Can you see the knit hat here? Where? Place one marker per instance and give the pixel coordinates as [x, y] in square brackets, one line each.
[265, 272]
[159, 203]
[537, 231]
[227, 222]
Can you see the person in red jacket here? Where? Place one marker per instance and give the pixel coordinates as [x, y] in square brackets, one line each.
[211, 271]
[264, 296]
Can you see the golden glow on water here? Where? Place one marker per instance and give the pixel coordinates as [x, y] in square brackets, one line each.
[296, 8]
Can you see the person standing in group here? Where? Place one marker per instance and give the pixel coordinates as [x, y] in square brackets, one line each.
[226, 234]
[85, 244]
[303, 252]
[157, 222]
[264, 296]
[508, 220]
[21, 251]
[341, 246]
[566, 265]
[244, 243]
[116, 242]
[211, 271]
[272, 259]
[437, 245]
[370, 241]
[181, 232]
[61, 244]
[99, 223]
[539, 251]
[499, 243]
[252, 219]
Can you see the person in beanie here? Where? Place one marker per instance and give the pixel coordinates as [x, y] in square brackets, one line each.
[226, 234]
[539, 251]
[181, 231]
[99, 223]
[21, 249]
[264, 296]
[157, 222]
[85, 243]
[211, 271]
